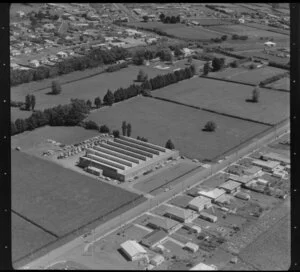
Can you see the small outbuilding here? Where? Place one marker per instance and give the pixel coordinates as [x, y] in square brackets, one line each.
[191, 247]
[133, 250]
[199, 203]
[230, 186]
[157, 260]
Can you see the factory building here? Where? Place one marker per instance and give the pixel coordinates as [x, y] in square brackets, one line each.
[153, 238]
[124, 158]
[277, 157]
[212, 194]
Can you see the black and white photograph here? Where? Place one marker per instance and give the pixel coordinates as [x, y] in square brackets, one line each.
[150, 136]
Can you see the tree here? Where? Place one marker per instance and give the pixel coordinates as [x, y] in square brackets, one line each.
[89, 103]
[109, 98]
[145, 18]
[147, 85]
[210, 126]
[13, 129]
[56, 87]
[234, 64]
[20, 125]
[190, 60]
[32, 102]
[255, 95]
[104, 129]
[224, 38]
[169, 144]
[193, 69]
[178, 19]
[206, 69]
[162, 17]
[177, 52]
[27, 102]
[97, 102]
[218, 64]
[91, 125]
[173, 20]
[116, 133]
[124, 128]
[128, 130]
[141, 77]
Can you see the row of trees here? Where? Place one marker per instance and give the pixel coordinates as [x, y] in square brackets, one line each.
[63, 115]
[157, 82]
[126, 129]
[239, 37]
[29, 102]
[217, 64]
[95, 58]
[169, 19]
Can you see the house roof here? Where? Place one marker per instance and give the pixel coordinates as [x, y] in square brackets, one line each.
[277, 157]
[242, 179]
[153, 237]
[165, 223]
[213, 194]
[230, 185]
[271, 164]
[179, 212]
[199, 201]
[203, 266]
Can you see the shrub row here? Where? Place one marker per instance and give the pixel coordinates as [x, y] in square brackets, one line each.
[272, 79]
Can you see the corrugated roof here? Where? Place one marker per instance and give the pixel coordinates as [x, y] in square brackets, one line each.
[179, 212]
[165, 223]
[153, 237]
[199, 201]
[213, 194]
[230, 185]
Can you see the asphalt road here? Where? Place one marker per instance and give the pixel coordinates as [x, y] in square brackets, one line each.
[117, 222]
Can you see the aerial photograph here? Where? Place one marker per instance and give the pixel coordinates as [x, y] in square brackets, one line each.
[150, 136]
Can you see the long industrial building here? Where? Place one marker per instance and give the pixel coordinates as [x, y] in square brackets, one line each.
[124, 158]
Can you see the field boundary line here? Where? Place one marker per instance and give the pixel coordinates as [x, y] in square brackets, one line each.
[212, 111]
[35, 224]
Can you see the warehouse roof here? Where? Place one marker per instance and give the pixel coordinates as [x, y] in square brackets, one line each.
[230, 185]
[213, 194]
[133, 248]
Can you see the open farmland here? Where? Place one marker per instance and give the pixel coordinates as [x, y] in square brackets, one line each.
[244, 75]
[88, 88]
[245, 30]
[271, 250]
[229, 98]
[27, 237]
[181, 31]
[70, 200]
[263, 55]
[159, 121]
[283, 84]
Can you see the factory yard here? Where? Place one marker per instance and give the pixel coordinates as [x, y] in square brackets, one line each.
[158, 180]
[75, 204]
[182, 124]
[229, 98]
[35, 142]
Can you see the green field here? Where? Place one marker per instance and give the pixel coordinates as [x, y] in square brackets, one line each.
[272, 251]
[181, 31]
[26, 237]
[283, 83]
[245, 30]
[61, 200]
[262, 55]
[229, 98]
[244, 75]
[16, 113]
[159, 121]
[88, 88]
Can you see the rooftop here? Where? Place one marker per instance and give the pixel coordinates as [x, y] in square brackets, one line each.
[179, 212]
[213, 194]
[230, 185]
[199, 201]
[133, 248]
[269, 164]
